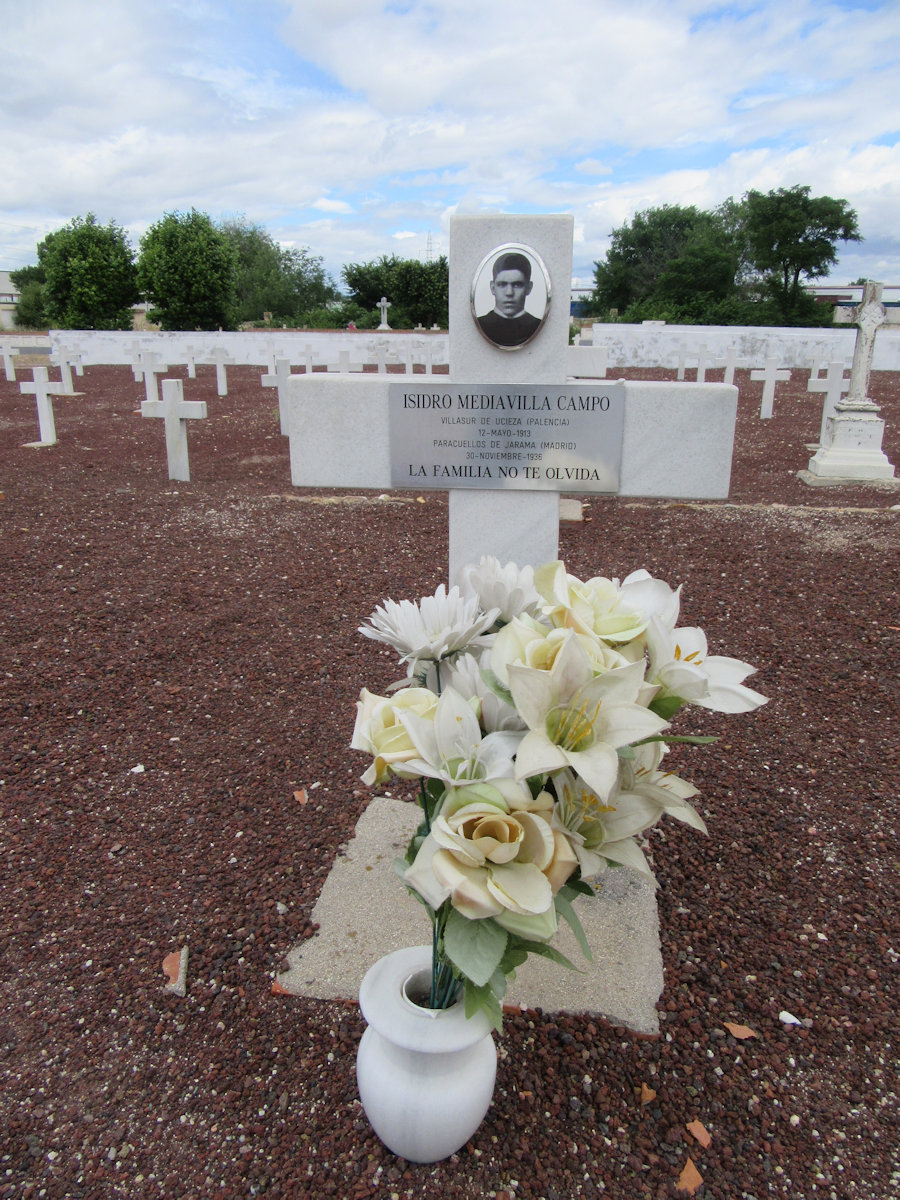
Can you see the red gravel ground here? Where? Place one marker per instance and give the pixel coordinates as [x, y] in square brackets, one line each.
[180, 660]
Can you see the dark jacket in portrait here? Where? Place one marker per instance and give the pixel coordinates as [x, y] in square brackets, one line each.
[508, 331]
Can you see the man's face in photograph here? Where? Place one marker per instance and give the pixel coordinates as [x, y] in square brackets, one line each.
[509, 289]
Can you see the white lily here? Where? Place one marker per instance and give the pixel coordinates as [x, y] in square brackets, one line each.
[596, 606]
[579, 720]
[451, 746]
[436, 628]
[532, 644]
[643, 786]
[509, 589]
[682, 666]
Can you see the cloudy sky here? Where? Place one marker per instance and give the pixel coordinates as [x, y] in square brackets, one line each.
[358, 127]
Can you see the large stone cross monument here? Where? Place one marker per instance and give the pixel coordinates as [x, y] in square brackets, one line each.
[506, 432]
[851, 440]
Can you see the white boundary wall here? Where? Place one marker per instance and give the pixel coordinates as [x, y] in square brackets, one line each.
[627, 345]
[664, 345]
[253, 348]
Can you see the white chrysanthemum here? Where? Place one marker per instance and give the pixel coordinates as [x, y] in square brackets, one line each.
[509, 589]
[436, 628]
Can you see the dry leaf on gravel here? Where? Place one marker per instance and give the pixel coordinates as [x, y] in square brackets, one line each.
[740, 1031]
[698, 1131]
[689, 1179]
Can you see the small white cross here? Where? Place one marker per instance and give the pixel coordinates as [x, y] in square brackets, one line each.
[770, 375]
[729, 362]
[43, 391]
[175, 410]
[384, 304]
[221, 358]
[833, 385]
[278, 379]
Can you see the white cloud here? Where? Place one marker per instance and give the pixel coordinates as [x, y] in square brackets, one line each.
[380, 120]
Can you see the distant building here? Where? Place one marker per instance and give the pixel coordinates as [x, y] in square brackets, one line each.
[9, 298]
[845, 298]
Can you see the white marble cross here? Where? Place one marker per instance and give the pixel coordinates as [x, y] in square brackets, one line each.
[222, 359]
[704, 360]
[278, 379]
[730, 362]
[833, 385]
[344, 364]
[43, 391]
[65, 360]
[384, 304]
[150, 364]
[869, 317]
[770, 374]
[587, 361]
[175, 411]
[677, 441]
[7, 349]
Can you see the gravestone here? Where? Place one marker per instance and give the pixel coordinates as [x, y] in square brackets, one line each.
[770, 374]
[44, 391]
[175, 412]
[730, 362]
[150, 364]
[222, 360]
[8, 350]
[587, 361]
[278, 379]
[66, 360]
[344, 365]
[833, 384]
[851, 446]
[705, 360]
[674, 441]
[384, 304]
[504, 403]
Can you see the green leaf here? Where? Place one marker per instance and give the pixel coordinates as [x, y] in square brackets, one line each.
[496, 686]
[483, 998]
[513, 957]
[565, 909]
[576, 886]
[666, 706]
[545, 950]
[474, 947]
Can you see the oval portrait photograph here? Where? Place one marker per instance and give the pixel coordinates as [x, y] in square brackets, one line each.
[510, 295]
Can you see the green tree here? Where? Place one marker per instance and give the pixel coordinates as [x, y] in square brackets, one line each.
[419, 292]
[639, 253]
[792, 235]
[29, 281]
[89, 276]
[30, 312]
[187, 270]
[284, 281]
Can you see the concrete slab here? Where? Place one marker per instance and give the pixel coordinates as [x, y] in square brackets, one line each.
[364, 912]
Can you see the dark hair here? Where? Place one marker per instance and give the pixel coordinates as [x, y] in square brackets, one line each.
[512, 261]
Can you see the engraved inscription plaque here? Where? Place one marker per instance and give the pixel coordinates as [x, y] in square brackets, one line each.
[560, 438]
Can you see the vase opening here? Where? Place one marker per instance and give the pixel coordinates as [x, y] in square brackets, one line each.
[417, 988]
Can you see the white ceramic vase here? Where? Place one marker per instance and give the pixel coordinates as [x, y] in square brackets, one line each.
[425, 1076]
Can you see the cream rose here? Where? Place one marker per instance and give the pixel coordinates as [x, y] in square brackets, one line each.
[491, 860]
[378, 730]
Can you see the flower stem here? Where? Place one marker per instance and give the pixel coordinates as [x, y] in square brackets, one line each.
[443, 978]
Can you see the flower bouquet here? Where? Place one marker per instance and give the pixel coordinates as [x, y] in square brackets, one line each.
[535, 714]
